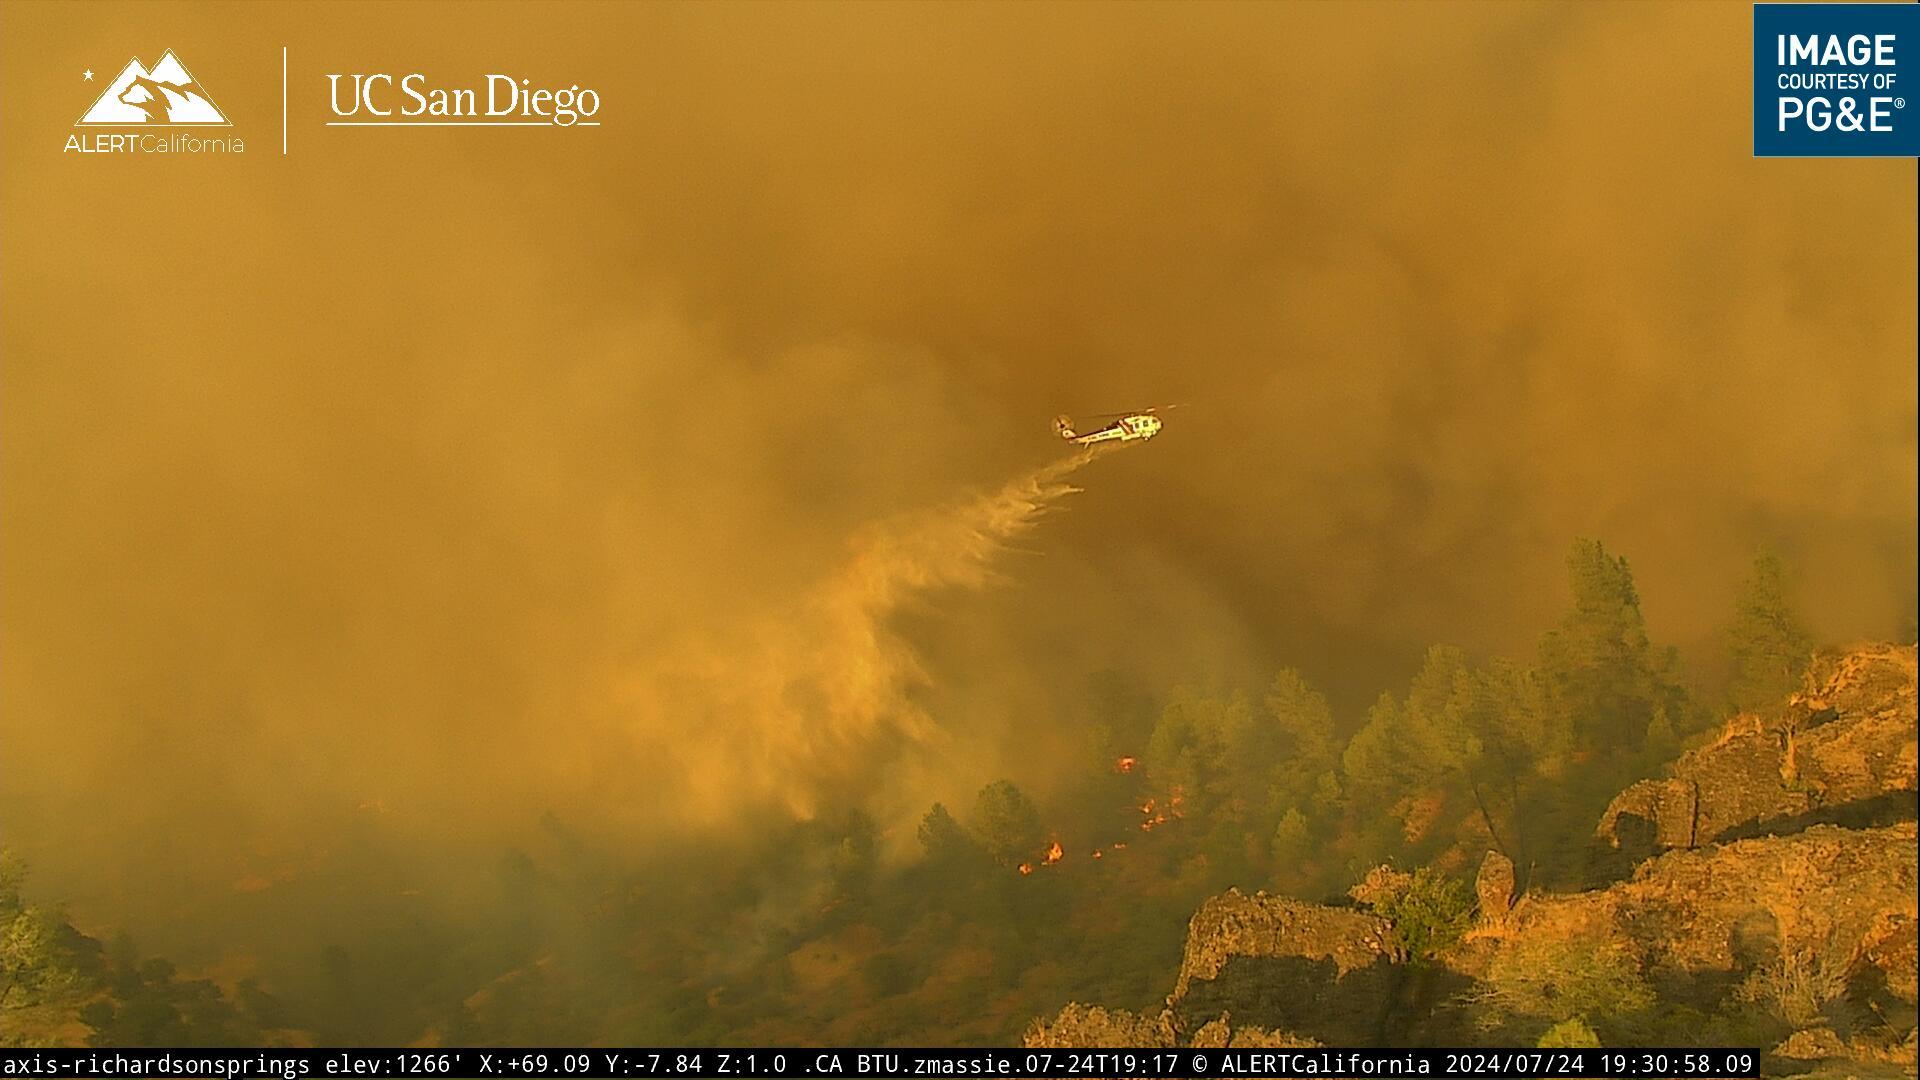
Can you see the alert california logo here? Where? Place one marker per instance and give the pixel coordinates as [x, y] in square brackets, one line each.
[159, 110]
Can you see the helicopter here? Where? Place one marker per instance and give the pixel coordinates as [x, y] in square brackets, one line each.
[1120, 427]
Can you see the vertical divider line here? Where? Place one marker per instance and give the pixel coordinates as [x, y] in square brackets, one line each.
[283, 101]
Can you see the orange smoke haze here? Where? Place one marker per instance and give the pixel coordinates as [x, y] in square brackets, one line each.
[655, 480]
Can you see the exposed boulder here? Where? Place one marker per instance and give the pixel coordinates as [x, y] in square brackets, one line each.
[1235, 926]
[1870, 681]
[1842, 751]
[1083, 1026]
[1719, 912]
[1270, 1040]
[1819, 1053]
[1494, 887]
[1381, 884]
[1294, 973]
[1890, 949]
[1652, 815]
[1851, 739]
[1219, 1032]
[1079, 1027]
[1812, 1044]
[1213, 1033]
[1316, 971]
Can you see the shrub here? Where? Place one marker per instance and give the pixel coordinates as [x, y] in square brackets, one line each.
[1568, 1034]
[1801, 986]
[1429, 910]
[1559, 980]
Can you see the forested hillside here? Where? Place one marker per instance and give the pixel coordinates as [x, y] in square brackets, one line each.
[965, 925]
[1766, 898]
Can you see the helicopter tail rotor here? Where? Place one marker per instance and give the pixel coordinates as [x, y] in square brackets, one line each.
[1063, 426]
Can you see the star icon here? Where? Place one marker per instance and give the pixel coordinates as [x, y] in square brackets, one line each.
[87, 75]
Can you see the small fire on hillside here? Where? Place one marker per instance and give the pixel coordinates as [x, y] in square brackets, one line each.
[1154, 812]
[1157, 812]
[1055, 853]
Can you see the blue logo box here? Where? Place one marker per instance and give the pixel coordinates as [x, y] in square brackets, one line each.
[1836, 80]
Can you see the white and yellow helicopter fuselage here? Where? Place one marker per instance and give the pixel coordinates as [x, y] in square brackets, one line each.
[1142, 426]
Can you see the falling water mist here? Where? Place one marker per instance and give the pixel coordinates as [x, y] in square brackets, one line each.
[806, 704]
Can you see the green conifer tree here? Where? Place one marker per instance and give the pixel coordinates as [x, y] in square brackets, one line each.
[1767, 642]
[941, 837]
[1598, 666]
[1007, 823]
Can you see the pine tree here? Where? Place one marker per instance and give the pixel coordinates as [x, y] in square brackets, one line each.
[1292, 841]
[1484, 740]
[941, 837]
[1768, 644]
[1304, 721]
[1007, 823]
[1387, 756]
[1598, 666]
[1217, 752]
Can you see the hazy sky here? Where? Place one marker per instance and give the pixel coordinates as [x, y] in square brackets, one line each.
[393, 479]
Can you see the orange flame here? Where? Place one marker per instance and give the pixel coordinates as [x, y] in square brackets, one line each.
[1153, 812]
[1026, 868]
[1054, 854]
[1124, 765]
[1097, 853]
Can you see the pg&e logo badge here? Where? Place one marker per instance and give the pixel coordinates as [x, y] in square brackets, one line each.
[1833, 80]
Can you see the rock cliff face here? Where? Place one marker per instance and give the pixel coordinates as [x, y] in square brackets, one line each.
[1841, 752]
[1279, 963]
[1768, 897]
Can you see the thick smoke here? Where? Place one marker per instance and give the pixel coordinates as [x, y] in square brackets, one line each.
[364, 506]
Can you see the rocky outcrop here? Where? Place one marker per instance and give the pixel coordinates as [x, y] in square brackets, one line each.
[1821, 892]
[1493, 886]
[1826, 911]
[1699, 925]
[1257, 971]
[1078, 1027]
[1270, 962]
[1082, 1027]
[1775, 880]
[1851, 740]
[1234, 926]
[1842, 751]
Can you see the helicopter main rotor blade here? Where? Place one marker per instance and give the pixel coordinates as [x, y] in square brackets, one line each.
[1129, 412]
